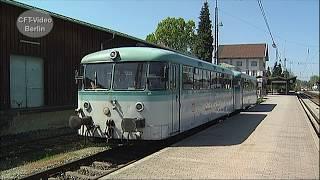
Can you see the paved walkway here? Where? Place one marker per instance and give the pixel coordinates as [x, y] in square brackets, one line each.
[270, 141]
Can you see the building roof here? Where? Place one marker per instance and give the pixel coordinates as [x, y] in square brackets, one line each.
[241, 51]
[141, 41]
[25, 6]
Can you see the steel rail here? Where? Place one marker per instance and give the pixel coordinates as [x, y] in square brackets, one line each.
[314, 120]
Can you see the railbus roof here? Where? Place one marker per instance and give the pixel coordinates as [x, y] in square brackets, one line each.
[243, 75]
[133, 54]
[253, 78]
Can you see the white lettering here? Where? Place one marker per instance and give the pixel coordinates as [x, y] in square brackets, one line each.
[34, 29]
[20, 19]
[34, 20]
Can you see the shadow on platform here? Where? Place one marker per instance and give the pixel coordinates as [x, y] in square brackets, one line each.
[262, 108]
[232, 131]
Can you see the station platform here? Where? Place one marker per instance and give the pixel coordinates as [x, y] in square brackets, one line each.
[273, 140]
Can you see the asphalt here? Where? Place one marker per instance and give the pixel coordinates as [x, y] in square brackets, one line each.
[273, 140]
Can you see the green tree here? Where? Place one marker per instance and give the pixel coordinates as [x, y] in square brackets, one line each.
[203, 47]
[277, 70]
[314, 80]
[285, 74]
[175, 33]
[268, 74]
[151, 38]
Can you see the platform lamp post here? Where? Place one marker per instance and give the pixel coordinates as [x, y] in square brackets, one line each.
[216, 34]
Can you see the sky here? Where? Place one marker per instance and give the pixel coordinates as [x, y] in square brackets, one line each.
[294, 24]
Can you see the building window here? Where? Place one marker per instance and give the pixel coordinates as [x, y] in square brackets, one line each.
[253, 63]
[239, 63]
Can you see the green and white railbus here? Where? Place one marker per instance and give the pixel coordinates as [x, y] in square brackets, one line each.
[152, 94]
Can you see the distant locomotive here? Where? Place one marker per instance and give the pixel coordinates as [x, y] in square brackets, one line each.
[152, 94]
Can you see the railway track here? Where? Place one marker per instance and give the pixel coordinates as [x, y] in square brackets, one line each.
[311, 107]
[113, 159]
[20, 148]
[314, 97]
[103, 163]
[108, 161]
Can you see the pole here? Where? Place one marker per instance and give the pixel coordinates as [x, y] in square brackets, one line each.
[216, 34]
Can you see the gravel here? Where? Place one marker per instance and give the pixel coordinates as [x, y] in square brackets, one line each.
[28, 168]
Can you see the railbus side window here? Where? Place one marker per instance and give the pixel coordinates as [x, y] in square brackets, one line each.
[130, 76]
[206, 79]
[246, 85]
[228, 79]
[197, 78]
[209, 79]
[225, 81]
[213, 80]
[218, 81]
[158, 76]
[187, 77]
[202, 79]
[221, 80]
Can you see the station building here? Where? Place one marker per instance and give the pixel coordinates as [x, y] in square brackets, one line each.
[247, 58]
[37, 86]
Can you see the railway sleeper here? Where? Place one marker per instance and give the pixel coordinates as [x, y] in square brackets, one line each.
[76, 176]
[91, 171]
[53, 178]
[103, 165]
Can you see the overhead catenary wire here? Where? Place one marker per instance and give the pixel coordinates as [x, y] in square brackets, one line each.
[274, 45]
[274, 37]
[312, 46]
[266, 21]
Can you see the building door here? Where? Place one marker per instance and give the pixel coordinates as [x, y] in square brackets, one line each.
[26, 81]
[175, 88]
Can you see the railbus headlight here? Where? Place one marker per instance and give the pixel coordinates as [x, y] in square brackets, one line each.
[86, 106]
[106, 111]
[139, 106]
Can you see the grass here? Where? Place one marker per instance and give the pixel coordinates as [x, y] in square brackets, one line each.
[51, 159]
[14, 158]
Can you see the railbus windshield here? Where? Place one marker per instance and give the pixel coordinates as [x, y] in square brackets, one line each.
[98, 76]
[130, 76]
[125, 76]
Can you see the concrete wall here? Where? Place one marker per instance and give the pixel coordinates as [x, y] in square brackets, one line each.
[15, 122]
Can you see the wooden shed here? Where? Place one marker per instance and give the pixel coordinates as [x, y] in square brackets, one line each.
[37, 74]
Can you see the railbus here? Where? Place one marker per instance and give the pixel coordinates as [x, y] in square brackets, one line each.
[152, 94]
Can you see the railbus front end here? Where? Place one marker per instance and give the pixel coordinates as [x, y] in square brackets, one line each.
[127, 98]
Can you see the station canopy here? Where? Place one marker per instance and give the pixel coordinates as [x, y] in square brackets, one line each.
[281, 80]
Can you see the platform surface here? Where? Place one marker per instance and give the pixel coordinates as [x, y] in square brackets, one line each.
[273, 140]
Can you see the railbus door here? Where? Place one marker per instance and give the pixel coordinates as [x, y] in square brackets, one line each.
[175, 88]
[237, 94]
